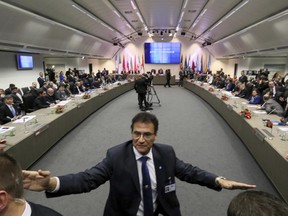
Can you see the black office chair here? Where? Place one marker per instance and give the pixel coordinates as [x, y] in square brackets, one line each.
[28, 100]
[25, 90]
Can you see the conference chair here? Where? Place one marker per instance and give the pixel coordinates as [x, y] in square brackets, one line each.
[25, 90]
[28, 100]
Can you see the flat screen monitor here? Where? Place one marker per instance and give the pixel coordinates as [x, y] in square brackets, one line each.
[24, 62]
[162, 53]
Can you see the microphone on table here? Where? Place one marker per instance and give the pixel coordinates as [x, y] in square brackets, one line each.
[262, 106]
[273, 109]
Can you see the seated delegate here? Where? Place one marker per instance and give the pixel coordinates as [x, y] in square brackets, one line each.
[271, 106]
[255, 97]
[9, 111]
[41, 100]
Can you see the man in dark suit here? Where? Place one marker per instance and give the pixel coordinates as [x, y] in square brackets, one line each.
[9, 111]
[41, 79]
[51, 97]
[8, 90]
[12, 202]
[17, 98]
[78, 88]
[243, 78]
[140, 87]
[168, 77]
[126, 170]
[41, 100]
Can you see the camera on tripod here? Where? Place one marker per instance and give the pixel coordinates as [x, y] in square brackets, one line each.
[149, 78]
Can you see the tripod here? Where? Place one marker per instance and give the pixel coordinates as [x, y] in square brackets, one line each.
[152, 94]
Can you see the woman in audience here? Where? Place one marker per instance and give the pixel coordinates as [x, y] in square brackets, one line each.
[255, 98]
[61, 77]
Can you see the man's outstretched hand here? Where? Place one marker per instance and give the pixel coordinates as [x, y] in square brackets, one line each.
[36, 180]
[233, 185]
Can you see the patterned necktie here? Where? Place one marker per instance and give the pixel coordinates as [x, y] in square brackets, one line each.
[146, 188]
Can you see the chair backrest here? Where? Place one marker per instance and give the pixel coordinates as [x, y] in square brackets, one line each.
[28, 100]
[25, 90]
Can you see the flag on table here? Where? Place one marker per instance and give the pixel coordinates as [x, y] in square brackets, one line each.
[204, 64]
[127, 64]
[142, 65]
[193, 66]
[135, 64]
[209, 62]
[123, 63]
[185, 63]
[131, 63]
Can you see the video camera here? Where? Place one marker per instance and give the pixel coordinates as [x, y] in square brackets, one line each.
[149, 78]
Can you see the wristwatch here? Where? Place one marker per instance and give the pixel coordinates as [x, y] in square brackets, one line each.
[218, 178]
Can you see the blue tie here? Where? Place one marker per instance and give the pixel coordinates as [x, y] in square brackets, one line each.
[13, 110]
[146, 188]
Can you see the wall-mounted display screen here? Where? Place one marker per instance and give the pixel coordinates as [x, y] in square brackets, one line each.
[24, 62]
[162, 53]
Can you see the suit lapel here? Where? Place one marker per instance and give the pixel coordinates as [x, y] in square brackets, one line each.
[131, 165]
[9, 111]
[159, 168]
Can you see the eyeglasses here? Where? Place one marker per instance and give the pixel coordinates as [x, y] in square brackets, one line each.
[146, 135]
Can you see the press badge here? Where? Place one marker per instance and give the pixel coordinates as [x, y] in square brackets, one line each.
[170, 188]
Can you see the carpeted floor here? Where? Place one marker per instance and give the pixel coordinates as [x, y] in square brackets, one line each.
[199, 135]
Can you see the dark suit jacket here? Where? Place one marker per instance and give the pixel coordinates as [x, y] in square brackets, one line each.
[41, 102]
[39, 210]
[141, 85]
[120, 167]
[75, 90]
[273, 107]
[6, 114]
[41, 81]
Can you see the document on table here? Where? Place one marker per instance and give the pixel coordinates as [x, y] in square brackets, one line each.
[228, 93]
[24, 119]
[4, 129]
[285, 129]
[61, 103]
[253, 106]
[259, 112]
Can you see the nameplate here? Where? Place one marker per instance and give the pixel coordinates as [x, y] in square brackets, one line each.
[40, 129]
[229, 107]
[259, 135]
[270, 135]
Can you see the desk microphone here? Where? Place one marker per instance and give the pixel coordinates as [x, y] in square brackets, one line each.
[271, 111]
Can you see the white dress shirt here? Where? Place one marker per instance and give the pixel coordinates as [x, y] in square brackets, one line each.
[27, 211]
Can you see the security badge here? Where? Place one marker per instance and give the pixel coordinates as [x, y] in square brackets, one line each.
[170, 188]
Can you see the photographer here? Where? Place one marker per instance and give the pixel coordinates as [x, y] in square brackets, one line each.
[141, 88]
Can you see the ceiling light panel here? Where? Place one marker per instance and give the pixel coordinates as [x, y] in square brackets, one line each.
[245, 18]
[160, 14]
[212, 14]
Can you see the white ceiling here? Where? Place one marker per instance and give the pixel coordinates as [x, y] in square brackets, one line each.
[92, 28]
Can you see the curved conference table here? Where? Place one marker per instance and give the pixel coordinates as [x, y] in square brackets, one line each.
[28, 141]
[265, 144]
